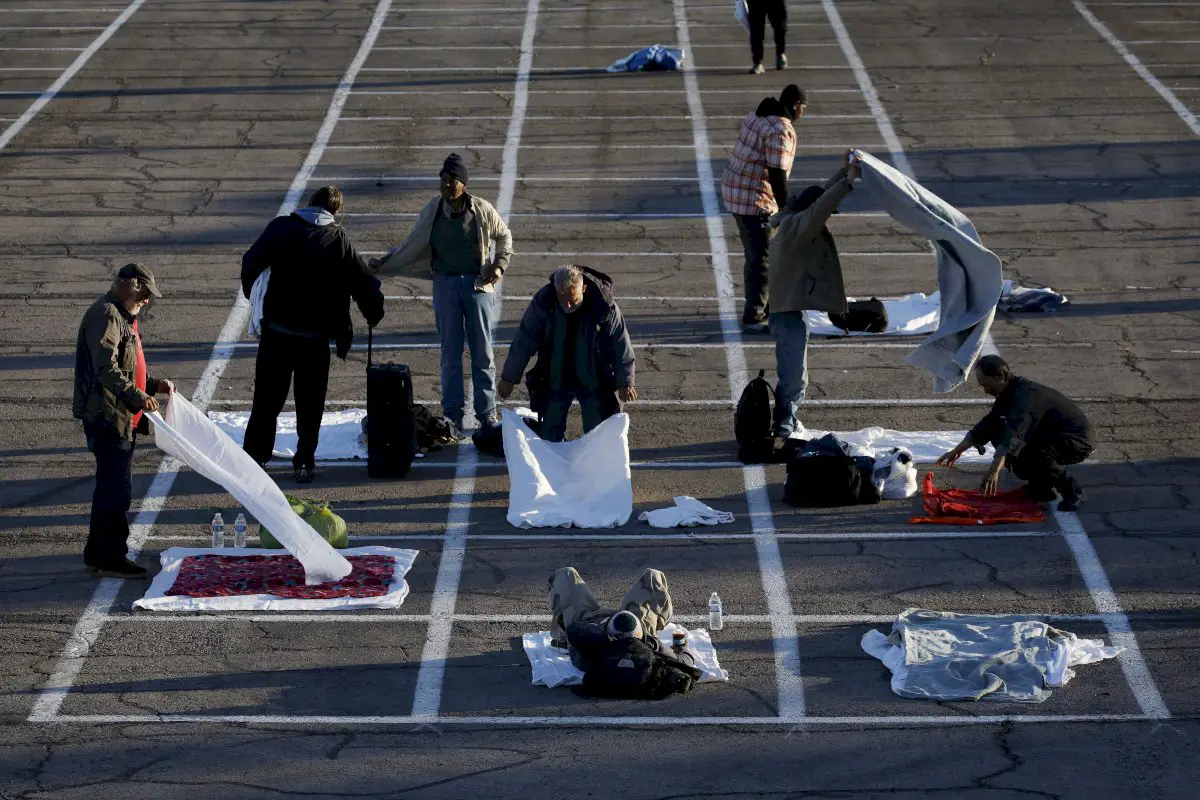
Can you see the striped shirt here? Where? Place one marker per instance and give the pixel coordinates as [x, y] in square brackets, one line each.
[762, 142]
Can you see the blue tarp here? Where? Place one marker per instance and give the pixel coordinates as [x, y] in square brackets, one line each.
[654, 58]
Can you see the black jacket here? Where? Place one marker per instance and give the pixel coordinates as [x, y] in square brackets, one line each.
[609, 348]
[1026, 412]
[629, 668]
[315, 270]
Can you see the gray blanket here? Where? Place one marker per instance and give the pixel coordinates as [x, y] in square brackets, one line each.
[969, 275]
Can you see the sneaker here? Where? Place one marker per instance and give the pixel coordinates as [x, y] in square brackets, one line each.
[1072, 495]
[490, 421]
[454, 431]
[756, 327]
[781, 61]
[304, 474]
[126, 569]
[757, 69]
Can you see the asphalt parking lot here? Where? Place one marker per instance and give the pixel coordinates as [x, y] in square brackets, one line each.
[171, 131]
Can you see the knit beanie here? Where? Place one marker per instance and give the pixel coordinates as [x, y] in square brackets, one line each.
[624, 625]
[456, 167]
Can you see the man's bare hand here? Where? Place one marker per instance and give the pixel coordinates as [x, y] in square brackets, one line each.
[375, 263]
[988, 487]
[853, 167]
[163, 387]
[627, 394]
[150, 404]
[949, 459]
[490, 274]
[504, 389]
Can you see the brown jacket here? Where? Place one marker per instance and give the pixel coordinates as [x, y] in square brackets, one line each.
[105, 363]
[804, 272]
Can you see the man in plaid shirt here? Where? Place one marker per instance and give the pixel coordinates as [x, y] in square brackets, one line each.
[754, 186]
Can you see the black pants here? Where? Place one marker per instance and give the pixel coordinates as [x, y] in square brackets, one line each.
[756, 239]
[760, 12]
[108, 530]
[1044, 460]
[280, 356]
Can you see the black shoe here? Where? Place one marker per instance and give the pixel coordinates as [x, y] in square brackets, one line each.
[304, 474]
[1072, 495]
[126, 569]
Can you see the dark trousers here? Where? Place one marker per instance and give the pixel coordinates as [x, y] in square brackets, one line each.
[108, 529]
[1044, 460]
[760, 12]
[595, 407]
[280, 356]
[756, 238]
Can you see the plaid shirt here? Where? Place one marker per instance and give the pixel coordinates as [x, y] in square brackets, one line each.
[762, 142]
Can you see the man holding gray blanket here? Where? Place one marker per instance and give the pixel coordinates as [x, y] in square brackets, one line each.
[805, 273]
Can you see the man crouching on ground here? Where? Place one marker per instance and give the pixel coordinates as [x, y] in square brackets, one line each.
[112, 390]
[576, 329]
[1036, 431]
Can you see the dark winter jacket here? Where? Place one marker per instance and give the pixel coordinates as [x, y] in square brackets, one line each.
[1027, 411]
[105, 364]
[608, 350]
[629, 668]
[315, 270]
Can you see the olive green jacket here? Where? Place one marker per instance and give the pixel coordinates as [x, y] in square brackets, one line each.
[105, 364]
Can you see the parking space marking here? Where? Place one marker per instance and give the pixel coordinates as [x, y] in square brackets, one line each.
[786, 647]
[533, 619]
[1137, 66]
[848, 402]
[66, 670]
[652, 535]
[80, 61]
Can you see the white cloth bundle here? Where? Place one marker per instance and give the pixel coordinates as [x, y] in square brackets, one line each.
[585, 483]
[258, 295]
[686, 513]
[185, 433]
[895, 474]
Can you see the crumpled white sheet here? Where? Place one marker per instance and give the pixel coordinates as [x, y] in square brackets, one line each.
[585, 483]
[686, 513]
[156, 598]
[340, 433]
[925, 446]
[910, 315]
[552, 667]
[944, 656]
[185, 433]
[895, 474]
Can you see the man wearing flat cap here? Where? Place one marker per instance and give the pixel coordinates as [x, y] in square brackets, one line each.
[113, 389]
[450, 243]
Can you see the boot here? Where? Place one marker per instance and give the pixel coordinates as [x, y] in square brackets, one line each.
[1072, 493]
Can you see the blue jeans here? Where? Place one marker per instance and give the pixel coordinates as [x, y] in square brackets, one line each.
[790, 331]
[595, 407]
[465, 316]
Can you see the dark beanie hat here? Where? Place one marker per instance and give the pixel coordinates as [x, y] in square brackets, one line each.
[793, 94]
[456, 167]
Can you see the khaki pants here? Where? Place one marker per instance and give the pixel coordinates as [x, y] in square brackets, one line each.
[571, 600]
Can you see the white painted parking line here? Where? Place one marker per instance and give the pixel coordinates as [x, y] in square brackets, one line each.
[73, 10]
[785, 640]
[597, 146]
[42, 49]
[66, 670]
[616, 215]
[688, 254]
[541, 47]
[580, 117]
[823, 402]
[1137, 674]
[902, 721]
[1137, 66]
[604, 90]
[80, 61]
[52, 28]
[1163, 41]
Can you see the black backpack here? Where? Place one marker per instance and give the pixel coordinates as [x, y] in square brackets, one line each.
[866, 316]
[753, 422]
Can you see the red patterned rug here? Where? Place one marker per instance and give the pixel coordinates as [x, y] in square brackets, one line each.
[279, 576]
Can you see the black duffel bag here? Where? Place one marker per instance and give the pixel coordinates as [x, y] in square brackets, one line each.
[864, 316]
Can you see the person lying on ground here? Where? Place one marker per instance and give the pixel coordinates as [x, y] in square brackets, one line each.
[113, 389]
[315, 271]
[575, 328]
[1037, 432]
[755, 184]
[806, 274]
[450, 242]
[618, 650]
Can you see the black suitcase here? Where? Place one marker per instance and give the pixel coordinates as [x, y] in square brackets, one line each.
[391, 428]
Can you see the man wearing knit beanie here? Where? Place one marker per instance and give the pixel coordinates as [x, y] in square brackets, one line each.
[450, 244]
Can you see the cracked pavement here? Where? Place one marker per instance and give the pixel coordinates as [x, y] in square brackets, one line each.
[177, 142]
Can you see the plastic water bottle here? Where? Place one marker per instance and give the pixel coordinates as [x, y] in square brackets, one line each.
[239, 531]
[218, 532]
[716, 619]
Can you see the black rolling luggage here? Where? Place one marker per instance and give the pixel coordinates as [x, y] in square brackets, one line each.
[391, 429]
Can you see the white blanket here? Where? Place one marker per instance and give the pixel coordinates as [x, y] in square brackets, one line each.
[185, 433]
[553, 667]
[910, 315]
[686, 513]
[925, 446]
[585, 483]
[340, 433]
[969, 275]
[156, 598]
